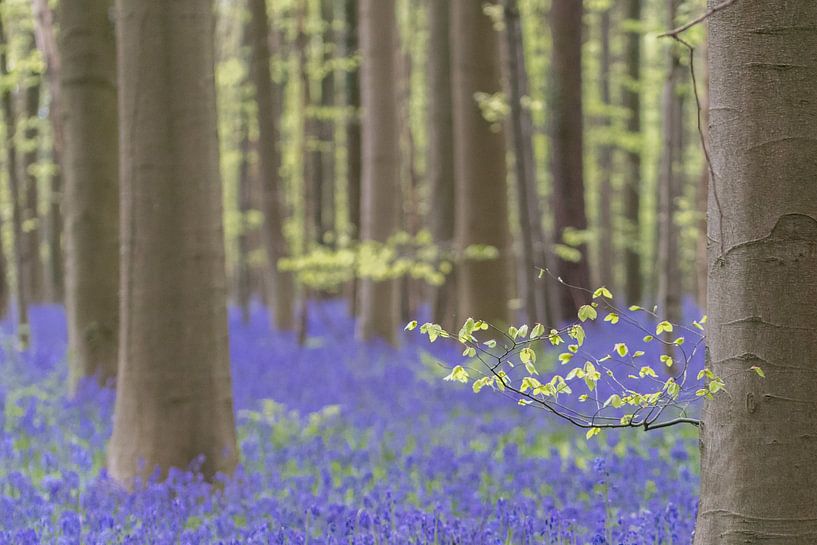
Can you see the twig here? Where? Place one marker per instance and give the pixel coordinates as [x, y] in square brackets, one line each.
[709, 13]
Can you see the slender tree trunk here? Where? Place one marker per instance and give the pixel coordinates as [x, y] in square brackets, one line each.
[88, 92]
[533, 254]
[483, 287]
[606, 275]
[243, 275]
[32, 264]
[327, 125]
[758, 447]
[380, 212]
[669, 272]
[353, 135]
[631, 97]
[567, 145]
[174, 395]
[269, 160]
[441, 153]
[47, 44]
[702, 191]
[10, 122]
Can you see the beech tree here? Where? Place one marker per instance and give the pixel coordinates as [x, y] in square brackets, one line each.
[88, 93]
[380, 212]
[631, 93]
[174, 396]
[758, 444]
[483, 287]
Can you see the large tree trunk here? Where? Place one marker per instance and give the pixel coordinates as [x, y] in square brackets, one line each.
[380, 211]
[47, 44]
[758, 440]
[441, 152]
[631, 98]
[483, 287]
[32, 264]
[10, 122]
[174, 396]
[533, 251]
[567, 145]
[669, 271]
[88, 93]
[281, 285]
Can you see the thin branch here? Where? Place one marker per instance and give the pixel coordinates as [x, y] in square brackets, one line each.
[709, 13]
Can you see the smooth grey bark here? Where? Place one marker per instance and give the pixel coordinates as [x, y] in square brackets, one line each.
[440, 148]
[280, 284]
[13, 178]
[670, 182]
[534, 250]
[758, 440]
[173, 394]
[567, 145]
[631, 99]
[91, 173]
[483, 287]
[380, 211]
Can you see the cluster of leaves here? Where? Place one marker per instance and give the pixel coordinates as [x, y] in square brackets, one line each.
[325, 267]
[627, 386]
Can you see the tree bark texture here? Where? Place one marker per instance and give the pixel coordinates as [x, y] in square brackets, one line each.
[606, 268]
[567, 145]
[758, 441]
[631, 98]
[380, 210]
[174, 396]
[31, 261]
[353, 135]
[88, 92]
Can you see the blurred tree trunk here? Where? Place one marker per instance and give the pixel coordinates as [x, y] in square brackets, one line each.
[702, 191]
[380, 212]
[326, 129]
[32, 264]
[567, 147]
[631, 97]
[47, 44]
[483, 287]
[88, 93]
[10, 122]
[174, 395]
[353, 136]
[441, 153]
[243, 281]
[534, 250]
[606, 265]
[758, 447]
[669, 272]
[312, 157]
[281, 284]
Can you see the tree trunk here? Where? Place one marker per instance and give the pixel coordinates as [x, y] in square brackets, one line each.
[380, 212]
[10, 122]
[441, 153]
[47, 44]
[483, 287]
[669, 272]
[606, 264]
[631, 98]
[327, 125]
[567, 146]
[702, 191]
[243, 280]
[353, 136]
[88, 92]
[174, 396]
[758, 447]
[32, 264]
[280, 283]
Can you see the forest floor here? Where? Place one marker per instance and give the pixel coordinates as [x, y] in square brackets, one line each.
[341, 443]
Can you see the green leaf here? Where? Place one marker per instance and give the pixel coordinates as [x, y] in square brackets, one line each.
[523, 331]
[565, 357]
[602, 292]
[537, 331]
[667, 360]
[586, 312]
[490, 344]
[758, 370]
[621, 349]
[410, 326]
[527, 355]
[662, 327]
[679, 341]
[647, 371]
[615, 401]
[648, 338]
[592, 432]
[612, 318]
[577, 332]
[469, 352]
[634, 308]
[554, 338]
[458, 374]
